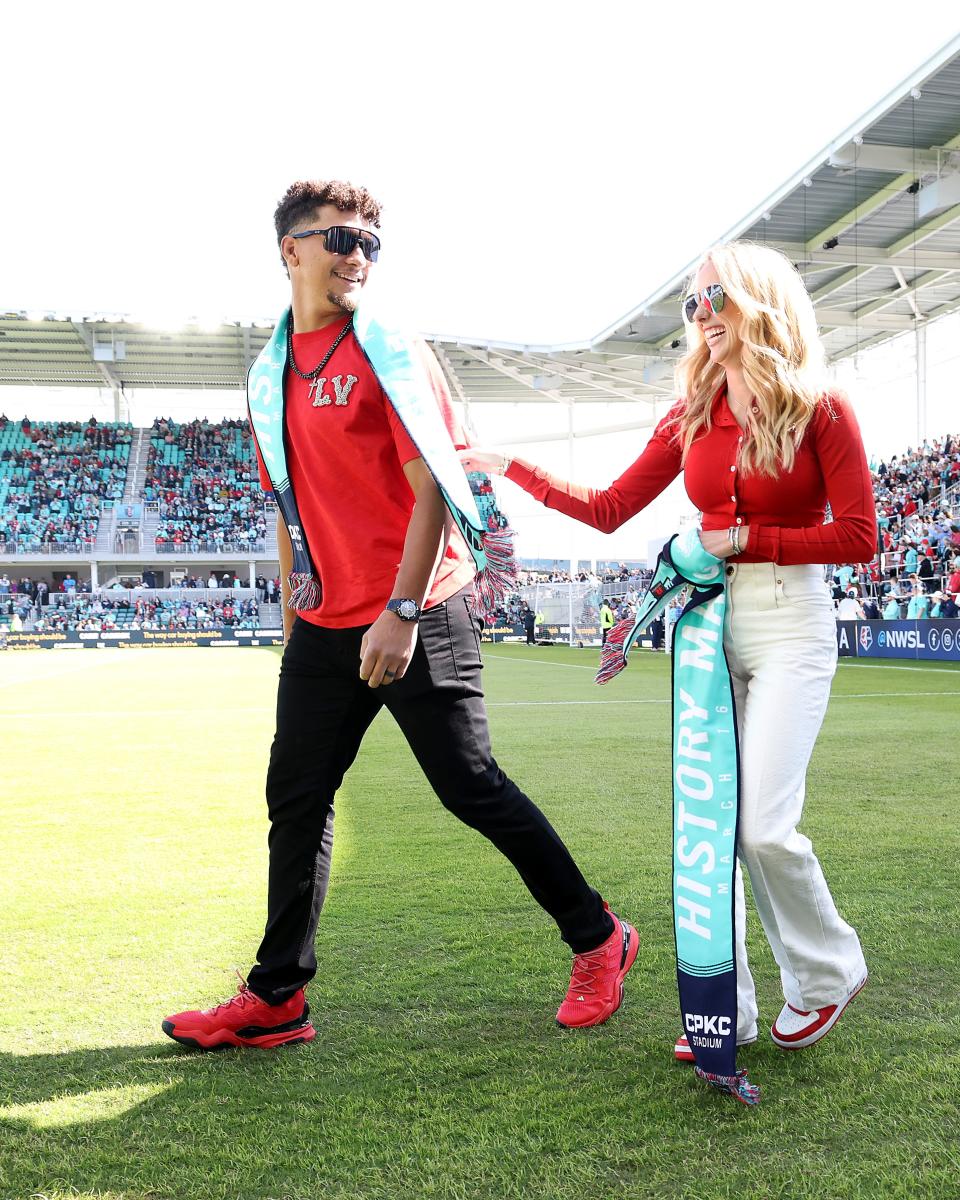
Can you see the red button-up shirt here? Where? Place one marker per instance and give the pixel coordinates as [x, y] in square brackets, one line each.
[785, 514]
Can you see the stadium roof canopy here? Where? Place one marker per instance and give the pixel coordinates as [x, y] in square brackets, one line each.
[873, 224]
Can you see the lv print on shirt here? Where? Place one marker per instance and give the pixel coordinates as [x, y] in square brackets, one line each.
[341, 391]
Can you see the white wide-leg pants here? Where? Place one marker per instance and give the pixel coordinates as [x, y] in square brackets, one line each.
[781, 645]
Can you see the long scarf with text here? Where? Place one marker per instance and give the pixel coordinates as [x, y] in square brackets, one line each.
[395, 362]
[706, 792]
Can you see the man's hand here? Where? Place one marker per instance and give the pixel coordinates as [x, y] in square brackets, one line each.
[386, 649]
[717, 541]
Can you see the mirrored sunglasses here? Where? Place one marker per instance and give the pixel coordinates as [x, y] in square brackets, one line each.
[711, 297]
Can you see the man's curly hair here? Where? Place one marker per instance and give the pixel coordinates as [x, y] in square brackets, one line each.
[303, 198]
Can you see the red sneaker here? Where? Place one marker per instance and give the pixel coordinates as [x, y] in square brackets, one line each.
[244, 1020]
[596, 983]
[794, 1028]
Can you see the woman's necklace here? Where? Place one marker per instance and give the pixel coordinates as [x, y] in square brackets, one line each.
[314, 375]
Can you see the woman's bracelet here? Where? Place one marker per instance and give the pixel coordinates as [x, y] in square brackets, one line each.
[504, 464]
[733, 533]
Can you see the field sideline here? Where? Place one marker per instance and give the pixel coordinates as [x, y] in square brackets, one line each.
[134, 828]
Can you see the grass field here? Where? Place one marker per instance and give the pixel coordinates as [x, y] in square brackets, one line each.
[133, 829]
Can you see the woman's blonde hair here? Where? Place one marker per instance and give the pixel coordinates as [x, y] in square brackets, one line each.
[781, 356]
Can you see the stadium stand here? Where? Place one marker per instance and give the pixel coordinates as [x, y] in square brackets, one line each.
[54, 477]
[918, 494]
[158, 612]
[200, 481]
[203, 477]
[486, 501]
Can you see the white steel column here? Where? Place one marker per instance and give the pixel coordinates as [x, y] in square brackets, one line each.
[573, 532]
[921, 343]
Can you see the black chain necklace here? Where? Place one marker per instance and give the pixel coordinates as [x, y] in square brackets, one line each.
[312, 376]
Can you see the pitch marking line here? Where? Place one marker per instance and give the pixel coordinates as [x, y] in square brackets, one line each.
[546, 661]
[859, 666]
[136, 714]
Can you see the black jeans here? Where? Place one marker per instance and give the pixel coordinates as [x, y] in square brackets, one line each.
[323, 711]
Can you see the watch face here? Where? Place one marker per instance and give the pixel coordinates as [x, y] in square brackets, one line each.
[407, 609]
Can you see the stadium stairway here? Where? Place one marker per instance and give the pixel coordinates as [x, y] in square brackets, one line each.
[137, 472]
[104, 542]
[148, 525]
[271, 550]
[132, 493]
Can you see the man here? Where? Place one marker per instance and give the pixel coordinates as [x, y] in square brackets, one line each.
[607, 620]
[529, 618]
[850, 608]
[369, 635]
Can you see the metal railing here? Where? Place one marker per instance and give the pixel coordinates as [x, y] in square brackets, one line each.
[211, 547]
[86, 547]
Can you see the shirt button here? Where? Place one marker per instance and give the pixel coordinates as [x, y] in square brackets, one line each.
[733, 499]
[733, 468]
[779, 581]
[739, 520]
[729, 570]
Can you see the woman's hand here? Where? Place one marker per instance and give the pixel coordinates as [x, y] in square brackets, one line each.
[717, 541]
[478, 458]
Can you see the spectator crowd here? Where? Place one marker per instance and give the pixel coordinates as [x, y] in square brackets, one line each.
[54, 477]
[203, 475]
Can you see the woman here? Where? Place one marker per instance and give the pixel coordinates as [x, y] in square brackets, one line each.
[763, 446]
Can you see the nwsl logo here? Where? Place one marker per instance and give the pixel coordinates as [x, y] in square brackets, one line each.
[865, 638]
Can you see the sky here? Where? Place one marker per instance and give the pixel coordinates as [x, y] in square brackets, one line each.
[543, 166]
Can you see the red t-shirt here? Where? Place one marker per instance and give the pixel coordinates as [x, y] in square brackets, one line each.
[345, 458]
[785, 514]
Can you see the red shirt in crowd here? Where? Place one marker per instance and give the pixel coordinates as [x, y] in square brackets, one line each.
[346, 449]
[785, 514]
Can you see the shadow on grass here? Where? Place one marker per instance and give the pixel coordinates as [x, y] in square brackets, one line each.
[441, 1101]
[382, 1113]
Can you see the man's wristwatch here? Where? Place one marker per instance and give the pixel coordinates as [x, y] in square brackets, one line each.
[406, 610]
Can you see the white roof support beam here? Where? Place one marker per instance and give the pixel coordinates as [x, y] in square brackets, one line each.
[617, 346]
[596, 431]
[871, 203]
[905, 288]
[919, 234]
[86, 336]
[895, 159]
[869, 256]
[631, 374]
[859, 347]
[904, 292]
[839, 283]
[585, 375]
[491, 359]
[837, 317]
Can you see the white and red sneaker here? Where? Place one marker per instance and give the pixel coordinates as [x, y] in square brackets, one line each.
[683, 1053]
[794, 1029]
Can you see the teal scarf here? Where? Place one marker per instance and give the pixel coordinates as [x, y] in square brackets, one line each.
[706, 786]
[397, 365]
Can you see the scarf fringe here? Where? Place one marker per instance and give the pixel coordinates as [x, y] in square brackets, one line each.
[737, 1085]
[305, 591]
[499, 575]
[612, 656]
